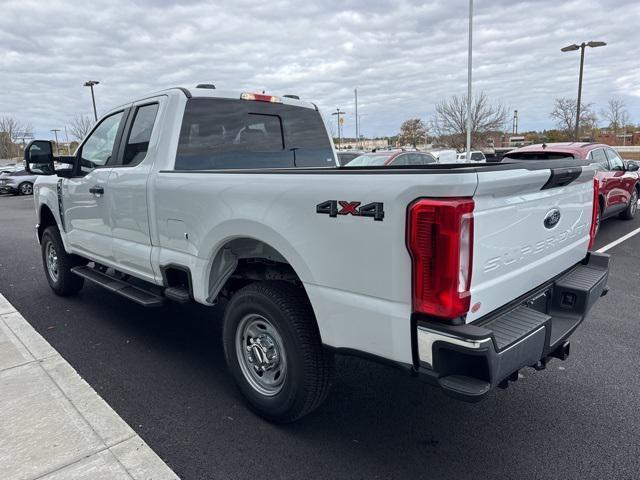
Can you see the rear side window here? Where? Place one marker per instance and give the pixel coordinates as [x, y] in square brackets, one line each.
[140, 134]
[239, 134]
[599, 157]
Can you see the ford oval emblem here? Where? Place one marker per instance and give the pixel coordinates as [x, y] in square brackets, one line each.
[552, 218]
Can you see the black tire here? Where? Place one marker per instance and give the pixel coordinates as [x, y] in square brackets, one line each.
[629, 213]
[308, 366]
[63, 282]
[25, 188]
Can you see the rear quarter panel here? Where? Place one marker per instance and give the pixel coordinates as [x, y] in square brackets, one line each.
[356, 271]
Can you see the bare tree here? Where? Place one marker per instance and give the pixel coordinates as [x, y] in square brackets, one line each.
[564, 113]
[450, 119]
[80, 126]
[616, 114]
[13, 131]
[412, 132]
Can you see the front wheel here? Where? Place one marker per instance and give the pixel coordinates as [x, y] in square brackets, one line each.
[630, 212]
[25, 188]
[273, 349]
[58, 264]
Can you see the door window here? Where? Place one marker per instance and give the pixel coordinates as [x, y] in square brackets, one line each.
[614, 160]
[98, 149]
[140, 134]
[598, 156]
[401, 160]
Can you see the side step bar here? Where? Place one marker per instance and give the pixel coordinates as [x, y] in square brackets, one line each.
[139, 295]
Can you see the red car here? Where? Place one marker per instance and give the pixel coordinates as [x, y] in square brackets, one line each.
[392, 157]
[618, 180]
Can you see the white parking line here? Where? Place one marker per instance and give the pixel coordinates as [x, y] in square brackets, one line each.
[619, 241]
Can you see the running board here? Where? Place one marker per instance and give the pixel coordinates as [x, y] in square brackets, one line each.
[139, 295]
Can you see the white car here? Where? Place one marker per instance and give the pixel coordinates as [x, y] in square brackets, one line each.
[18, 182]
[476, 156]
[460, 274]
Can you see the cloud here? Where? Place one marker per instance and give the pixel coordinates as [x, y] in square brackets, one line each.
[403, 56]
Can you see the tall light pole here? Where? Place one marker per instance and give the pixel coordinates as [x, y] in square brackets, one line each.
[469, 65]
[355, 92]
[339, 112]
[55, 132]
[581, 47]
[90, 84]
[360, 126]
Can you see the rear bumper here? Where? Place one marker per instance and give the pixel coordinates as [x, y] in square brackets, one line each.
[467, 361]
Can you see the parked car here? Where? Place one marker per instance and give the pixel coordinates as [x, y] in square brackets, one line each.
[18, 182]
[345, 156]
[444, 156]
[618, 180]
[396, 158]
[447, 272]
[476, 156]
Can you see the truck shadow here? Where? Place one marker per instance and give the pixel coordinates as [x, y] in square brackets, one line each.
[376, 423]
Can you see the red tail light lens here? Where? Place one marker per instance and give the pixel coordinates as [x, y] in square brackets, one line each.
[440, 240]
[595, 212]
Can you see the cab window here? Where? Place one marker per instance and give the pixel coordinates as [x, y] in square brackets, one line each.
[140, 134]
[97, 150]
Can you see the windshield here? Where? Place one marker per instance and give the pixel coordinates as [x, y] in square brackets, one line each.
[369, 160]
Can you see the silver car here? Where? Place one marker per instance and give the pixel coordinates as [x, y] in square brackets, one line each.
[18, 182]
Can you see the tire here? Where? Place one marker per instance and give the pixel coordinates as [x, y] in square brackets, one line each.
[629, 213]
[25, 188]
[58, 264]
[276, 316]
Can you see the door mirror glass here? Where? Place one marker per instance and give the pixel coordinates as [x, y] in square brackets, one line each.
[632, 167]
[38, 158]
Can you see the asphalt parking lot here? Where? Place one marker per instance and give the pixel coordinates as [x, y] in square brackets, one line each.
[163, 372]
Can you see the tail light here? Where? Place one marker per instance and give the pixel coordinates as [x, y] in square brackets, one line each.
[260, 97]
[594, 213]
[440, 240]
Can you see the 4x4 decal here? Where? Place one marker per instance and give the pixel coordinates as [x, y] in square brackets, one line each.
[333, 208]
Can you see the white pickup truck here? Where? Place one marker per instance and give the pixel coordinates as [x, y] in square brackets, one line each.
[459, 274]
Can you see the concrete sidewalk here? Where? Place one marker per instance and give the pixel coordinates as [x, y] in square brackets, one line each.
[53, 425]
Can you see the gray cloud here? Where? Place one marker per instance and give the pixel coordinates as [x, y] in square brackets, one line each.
[402, 56]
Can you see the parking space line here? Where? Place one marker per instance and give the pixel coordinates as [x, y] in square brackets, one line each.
[619, 241]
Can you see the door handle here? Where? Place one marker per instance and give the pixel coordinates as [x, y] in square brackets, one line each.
[96, 190]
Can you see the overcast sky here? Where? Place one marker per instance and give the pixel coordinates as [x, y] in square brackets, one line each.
[403, 56]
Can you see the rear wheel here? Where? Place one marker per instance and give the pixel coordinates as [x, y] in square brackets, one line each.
[273, 349]
[25, 188]
[58, 264]
[630, 212]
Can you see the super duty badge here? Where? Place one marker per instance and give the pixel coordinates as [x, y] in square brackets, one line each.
[333, 208]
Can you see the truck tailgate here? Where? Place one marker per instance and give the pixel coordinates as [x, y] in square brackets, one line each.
[525, 233]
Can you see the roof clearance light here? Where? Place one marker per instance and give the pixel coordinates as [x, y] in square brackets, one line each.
[260, 97]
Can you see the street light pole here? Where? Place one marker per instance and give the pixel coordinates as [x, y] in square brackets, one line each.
[55, 132]
[90, 84]
[339, 112]
[469, 65]
[355, 91]
[581, 47]
[576, 135]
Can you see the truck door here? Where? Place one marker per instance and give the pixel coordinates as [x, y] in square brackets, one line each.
[85, 197]
[127, 185]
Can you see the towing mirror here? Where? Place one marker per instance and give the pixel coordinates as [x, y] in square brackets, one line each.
[38, 158]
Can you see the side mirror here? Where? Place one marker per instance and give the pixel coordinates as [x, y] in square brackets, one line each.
[38, 158]
[632, 166]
